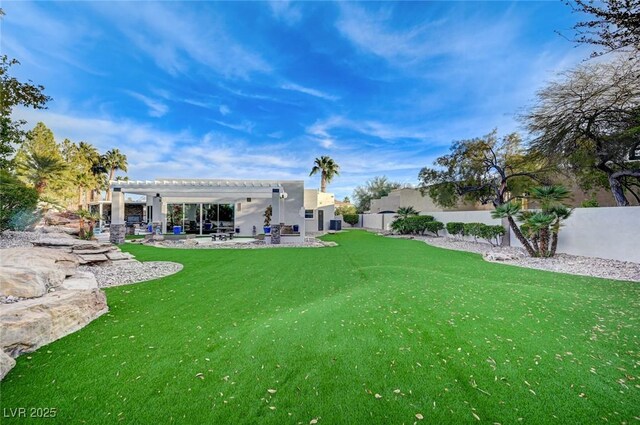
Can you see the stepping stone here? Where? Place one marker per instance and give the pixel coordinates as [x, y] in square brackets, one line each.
[115, 256]
[92, 258]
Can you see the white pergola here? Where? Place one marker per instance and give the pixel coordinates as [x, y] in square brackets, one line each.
[191, 190]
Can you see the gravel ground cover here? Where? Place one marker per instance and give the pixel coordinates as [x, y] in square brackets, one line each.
[563, 263]
[134, 272]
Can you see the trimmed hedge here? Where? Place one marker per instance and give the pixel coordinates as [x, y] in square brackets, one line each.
[488, 232]
[417, 225]
[455, 228]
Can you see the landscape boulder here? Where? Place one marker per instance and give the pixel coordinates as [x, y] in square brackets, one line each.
[40, 257]
[27, 325]
[6, 364]
[29, 282]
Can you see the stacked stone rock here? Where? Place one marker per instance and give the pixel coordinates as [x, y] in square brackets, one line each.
[43, 295]
[88, 252]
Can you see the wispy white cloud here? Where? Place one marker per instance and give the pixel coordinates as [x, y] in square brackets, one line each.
[157, 109]
[309, 91]
[189, 37]
[47, 37]
[374, 32]
[224, 110]
[245, 126]
[285, 11]
[322, 129]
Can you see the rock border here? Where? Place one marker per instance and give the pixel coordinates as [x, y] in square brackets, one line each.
[561, 263]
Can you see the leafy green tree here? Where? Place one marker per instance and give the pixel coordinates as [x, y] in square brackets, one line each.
[346, 210]
[114, 160]
[41, 169]
[351, 219]
[481, 170]
[588, 122]
[15, 93]
[16, 201]
[327, 168]
[82, 159]
[375, 188]
[614, 25]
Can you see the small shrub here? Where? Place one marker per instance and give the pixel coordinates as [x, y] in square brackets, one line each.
[491, 233]
[435, 226]
[473, 229]
[455, 228]
[416, 225]
[352, 219]
[590, 203]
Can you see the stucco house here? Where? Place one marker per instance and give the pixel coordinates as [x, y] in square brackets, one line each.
[204, 206]
[319, 210]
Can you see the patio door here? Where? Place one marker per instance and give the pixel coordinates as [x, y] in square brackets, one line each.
[320, 220]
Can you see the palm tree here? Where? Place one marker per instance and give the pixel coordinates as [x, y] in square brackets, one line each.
[561, 213]
[508, 211]
[539, 224]
[40, 169]
[404, 212]
[327, 168]
[549, 196]
[114, 160]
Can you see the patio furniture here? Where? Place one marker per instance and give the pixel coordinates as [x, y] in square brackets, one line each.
[222, 236]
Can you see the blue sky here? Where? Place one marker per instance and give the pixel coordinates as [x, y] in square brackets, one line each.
[259, 89]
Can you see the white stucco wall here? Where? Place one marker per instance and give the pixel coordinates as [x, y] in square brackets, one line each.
[612, 232]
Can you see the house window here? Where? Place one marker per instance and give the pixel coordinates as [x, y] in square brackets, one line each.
[308, 213]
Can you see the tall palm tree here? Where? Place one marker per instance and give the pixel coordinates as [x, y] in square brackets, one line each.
[40, 169]
[327, 168]
[114, 160]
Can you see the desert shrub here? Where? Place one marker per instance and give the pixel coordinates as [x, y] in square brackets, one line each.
[400, 225]
[455, 228]
[352, 219]
[434, 226]
[416, 225]
[17, 203]
[590, 203]
[473, 229]
[491, 233]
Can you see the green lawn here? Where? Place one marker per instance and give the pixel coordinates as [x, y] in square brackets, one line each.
[373, 331]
